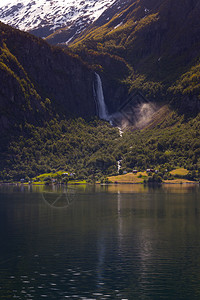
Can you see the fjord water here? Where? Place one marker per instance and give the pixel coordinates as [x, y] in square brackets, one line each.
[103, 242]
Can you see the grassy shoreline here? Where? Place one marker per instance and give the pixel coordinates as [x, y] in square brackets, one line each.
[165, 182]
[176, 176]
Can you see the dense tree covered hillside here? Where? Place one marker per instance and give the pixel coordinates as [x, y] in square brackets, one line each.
[92, 149]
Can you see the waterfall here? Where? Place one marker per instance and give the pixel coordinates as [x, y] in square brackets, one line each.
[119, 165]
[101, 106]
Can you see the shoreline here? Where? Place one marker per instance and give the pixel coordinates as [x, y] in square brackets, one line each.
[103, 184]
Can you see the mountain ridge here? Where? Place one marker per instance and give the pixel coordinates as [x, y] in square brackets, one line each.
[42, 18]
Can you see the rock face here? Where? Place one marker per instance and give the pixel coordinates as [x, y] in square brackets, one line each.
[38, 82]
[112, 71]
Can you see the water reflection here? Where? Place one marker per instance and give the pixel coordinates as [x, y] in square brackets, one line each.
[140, 188]
[111, 188]
[116, 241]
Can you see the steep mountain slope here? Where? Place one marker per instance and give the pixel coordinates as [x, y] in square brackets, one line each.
[38, 82]
[159, 42]
[39, 86]
[67, 35]
[44, 17]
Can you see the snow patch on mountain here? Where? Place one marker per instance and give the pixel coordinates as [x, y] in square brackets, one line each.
[33, 15]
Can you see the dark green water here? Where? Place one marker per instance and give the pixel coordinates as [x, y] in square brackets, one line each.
[116, 242]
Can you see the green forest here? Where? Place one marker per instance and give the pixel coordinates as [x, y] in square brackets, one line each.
[91, 149]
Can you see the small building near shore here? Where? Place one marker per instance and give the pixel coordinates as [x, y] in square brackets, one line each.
[65, 174]
[150, 170]
[72, 174]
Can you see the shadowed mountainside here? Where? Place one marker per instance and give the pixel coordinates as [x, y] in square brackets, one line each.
[38, 82]
[158, 42]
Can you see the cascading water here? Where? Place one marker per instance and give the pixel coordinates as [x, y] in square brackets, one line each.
[101, 106]
[136, 111]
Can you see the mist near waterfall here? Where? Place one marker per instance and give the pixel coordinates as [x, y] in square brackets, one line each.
[136, 117]
[144, 114]
[136, 112]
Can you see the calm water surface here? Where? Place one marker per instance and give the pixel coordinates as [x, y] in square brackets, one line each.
[109, 242]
